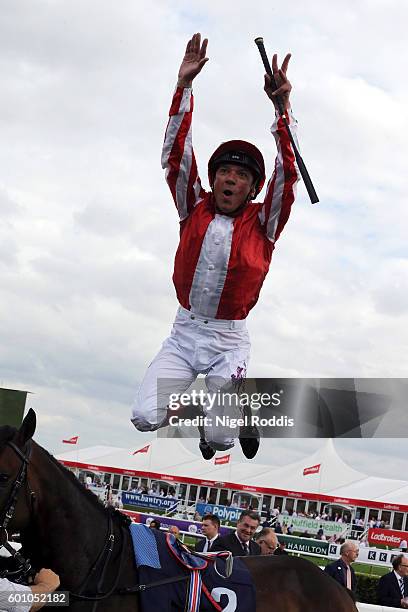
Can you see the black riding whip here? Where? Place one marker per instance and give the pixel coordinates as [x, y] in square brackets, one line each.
[301, 165]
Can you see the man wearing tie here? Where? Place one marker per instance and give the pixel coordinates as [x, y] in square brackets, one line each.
[341, 569]
[210, 527]
[393, 587]
[240, 543]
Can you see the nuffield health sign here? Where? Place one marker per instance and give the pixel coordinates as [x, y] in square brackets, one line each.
[301, 524]
[142, 500]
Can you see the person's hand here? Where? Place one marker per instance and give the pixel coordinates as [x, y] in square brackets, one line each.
[283, 85]
[46, 581]
[193, 60]
[48, 578]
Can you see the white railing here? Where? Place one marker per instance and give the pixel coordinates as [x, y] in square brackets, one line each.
[364, 607]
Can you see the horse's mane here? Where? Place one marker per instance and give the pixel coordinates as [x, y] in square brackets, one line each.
[7, 433]
[116, 514]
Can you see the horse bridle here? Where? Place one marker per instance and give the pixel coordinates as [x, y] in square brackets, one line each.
[25, 570]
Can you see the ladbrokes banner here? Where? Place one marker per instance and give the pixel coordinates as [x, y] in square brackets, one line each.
[386, 537]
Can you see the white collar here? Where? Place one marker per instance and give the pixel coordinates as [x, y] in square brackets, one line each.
[398, 577]
[241, 542]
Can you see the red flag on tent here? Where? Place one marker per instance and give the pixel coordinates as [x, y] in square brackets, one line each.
[142, 450]
[223, 459]
[72, 440]
[314, 469]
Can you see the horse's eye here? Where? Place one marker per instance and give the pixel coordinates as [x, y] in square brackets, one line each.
[3, 478]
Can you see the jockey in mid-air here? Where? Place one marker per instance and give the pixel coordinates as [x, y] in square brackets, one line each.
[225, 249]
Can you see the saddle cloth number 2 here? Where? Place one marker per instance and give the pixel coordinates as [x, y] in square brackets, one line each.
[232, 598]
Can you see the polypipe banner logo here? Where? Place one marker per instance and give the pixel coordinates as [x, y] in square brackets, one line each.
[314, 469]
[385, 536]
[224, 513]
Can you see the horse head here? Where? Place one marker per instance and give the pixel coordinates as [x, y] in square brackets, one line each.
[16, 498]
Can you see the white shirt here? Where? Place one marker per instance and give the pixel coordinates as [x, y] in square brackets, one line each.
[7, 588]
[400, 578]
[246, 544]
[209, 543]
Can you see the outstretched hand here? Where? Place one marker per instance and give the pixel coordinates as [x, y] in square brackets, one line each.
[283, 85]
[193, 60]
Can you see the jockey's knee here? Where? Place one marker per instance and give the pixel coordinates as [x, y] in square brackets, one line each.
[143, 425]
[148, 419]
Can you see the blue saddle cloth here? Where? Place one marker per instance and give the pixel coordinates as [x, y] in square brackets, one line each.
[157, 561]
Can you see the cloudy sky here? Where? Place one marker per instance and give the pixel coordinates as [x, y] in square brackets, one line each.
[87, 226]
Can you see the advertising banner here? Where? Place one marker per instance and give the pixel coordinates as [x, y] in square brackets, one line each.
[312, 526]
[372, 556]
[387, 537]
[305, 545]
[193, 527]
[224, 513]
[142, 500]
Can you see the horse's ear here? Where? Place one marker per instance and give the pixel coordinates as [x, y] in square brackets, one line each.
[27, 428]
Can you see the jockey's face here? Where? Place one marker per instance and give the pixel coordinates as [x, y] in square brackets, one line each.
[209, 529]
[246, 528]
[232, 186]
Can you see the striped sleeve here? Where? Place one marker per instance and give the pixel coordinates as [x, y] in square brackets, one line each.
[178, 158]
[281, 190]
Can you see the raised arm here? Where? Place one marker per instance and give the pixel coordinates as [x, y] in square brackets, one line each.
[178, 156]
[281, 190]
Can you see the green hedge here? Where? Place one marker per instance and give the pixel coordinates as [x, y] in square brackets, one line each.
[367, 588]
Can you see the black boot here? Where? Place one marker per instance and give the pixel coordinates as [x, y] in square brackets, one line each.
[206, 450]
[249, 435]
[249, 445]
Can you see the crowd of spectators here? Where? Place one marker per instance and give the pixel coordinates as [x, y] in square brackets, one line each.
[323, 516]
[154, 491]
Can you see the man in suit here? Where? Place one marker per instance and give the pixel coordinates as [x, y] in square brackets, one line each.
[240, 543]
[341, 569]
[393, 587]
[281, 549]
[210, 526]
[267, 540]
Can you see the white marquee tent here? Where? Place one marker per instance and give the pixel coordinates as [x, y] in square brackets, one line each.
[168, 459]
